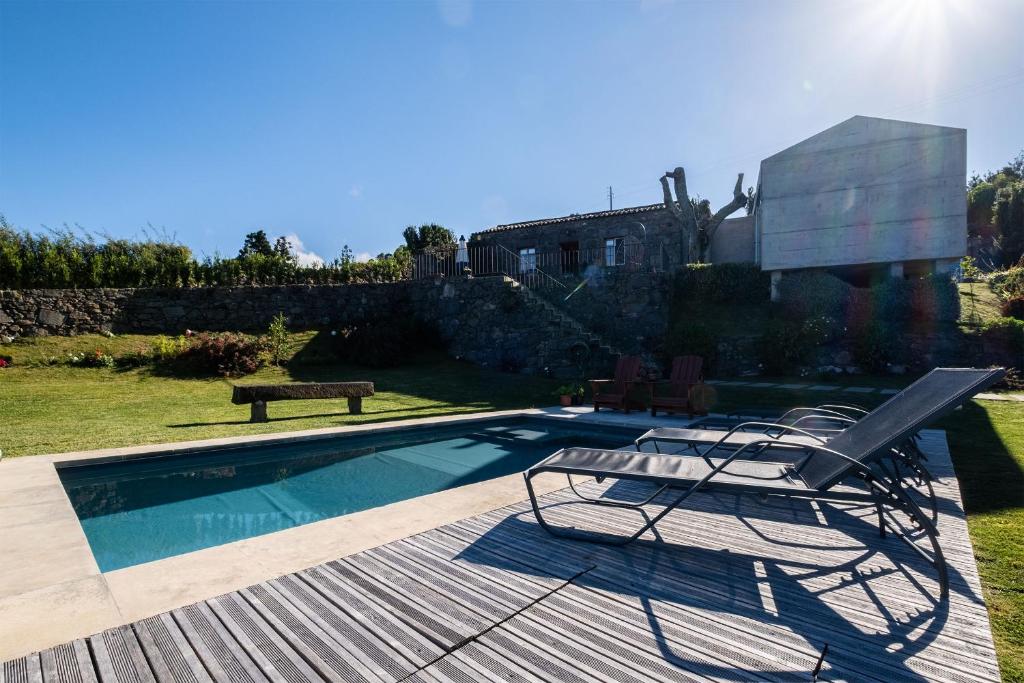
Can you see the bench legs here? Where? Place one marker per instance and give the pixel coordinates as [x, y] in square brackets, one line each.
[258, 411]
[355, 405]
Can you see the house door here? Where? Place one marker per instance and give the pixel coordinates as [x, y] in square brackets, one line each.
[569, 257]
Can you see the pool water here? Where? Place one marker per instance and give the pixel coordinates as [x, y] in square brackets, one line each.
[155, 507]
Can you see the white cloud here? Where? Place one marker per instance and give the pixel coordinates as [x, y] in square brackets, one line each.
[303, 255]
[362, 257]
[355, 192]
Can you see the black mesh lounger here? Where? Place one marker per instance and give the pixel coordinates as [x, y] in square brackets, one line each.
[795, 430]
[846, 456]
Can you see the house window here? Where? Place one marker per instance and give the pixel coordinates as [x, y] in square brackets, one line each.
[528, 260]
[615, 251]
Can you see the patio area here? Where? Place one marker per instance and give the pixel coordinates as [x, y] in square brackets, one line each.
[732, 589]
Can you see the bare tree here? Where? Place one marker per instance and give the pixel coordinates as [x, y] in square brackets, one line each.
[698, 230]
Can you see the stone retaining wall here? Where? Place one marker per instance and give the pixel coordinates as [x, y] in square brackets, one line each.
[36, 312]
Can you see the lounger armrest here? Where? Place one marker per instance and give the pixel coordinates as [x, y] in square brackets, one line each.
[839, 407]
[845, 421]
[785, 428]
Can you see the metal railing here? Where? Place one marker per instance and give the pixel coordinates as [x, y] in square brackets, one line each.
[535, 270]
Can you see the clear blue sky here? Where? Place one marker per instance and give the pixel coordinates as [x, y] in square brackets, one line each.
[344, 122]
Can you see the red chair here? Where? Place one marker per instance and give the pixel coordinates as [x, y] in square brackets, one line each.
[615, 393]
[687, 372]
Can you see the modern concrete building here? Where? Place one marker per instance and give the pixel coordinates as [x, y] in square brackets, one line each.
[865, 198]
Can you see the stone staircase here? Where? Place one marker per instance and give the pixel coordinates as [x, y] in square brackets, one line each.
[567, 337]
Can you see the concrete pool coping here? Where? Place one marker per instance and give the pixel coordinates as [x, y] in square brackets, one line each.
[54, 591]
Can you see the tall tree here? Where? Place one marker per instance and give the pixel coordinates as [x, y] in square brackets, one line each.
[256, 243]
[428, 236]
[995, 208]
[283, 248]
[698, 223]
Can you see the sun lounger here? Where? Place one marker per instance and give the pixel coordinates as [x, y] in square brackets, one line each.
[847, 456]
[797, 426]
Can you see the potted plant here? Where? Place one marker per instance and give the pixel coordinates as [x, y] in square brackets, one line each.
[577, 394]
[565, 394]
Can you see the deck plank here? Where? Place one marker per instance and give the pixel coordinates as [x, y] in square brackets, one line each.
[172, 658]
[220, 653]
[119, 658]
[68, 663]
[22, 670]
[389, 660]
[276, 657]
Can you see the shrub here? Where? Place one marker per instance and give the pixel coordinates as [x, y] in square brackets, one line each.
[688, 338]
[1013, 308]
[96, 359]
[876, 345]
[1008, 333]
[64, 260]
[168, 348]
[787, 344]
[722, 283]
[934, 298]
[1009, 283]
[277, 337]
[228, 354]
[808, 294]
[385, 342]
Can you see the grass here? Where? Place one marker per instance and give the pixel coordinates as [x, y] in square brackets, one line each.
[978, 303]
[52, 408]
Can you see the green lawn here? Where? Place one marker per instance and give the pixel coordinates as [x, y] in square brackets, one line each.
[52, 409]
[48, 409]
[978, 303]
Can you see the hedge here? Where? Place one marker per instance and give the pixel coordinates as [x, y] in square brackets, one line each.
[64, 261]
[722, 283]
[930, 299]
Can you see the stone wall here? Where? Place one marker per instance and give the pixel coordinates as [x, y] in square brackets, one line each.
[488, 321]
[629, 310]
[171, 311]
[585, 234]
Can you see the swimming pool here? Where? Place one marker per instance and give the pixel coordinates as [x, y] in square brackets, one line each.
[161, 505]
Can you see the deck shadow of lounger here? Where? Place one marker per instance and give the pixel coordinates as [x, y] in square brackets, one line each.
[764, 609]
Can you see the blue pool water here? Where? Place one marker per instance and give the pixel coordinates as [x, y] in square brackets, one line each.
[155, 507]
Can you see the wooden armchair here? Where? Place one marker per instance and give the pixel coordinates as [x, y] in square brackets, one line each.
[616, 393]
[687, 371]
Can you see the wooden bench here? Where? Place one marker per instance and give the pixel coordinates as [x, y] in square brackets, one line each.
[259, 394]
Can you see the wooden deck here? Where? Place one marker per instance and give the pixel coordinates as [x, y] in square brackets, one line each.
[734, 589]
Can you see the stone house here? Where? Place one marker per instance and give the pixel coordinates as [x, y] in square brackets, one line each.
[867, 197]
[639, 236]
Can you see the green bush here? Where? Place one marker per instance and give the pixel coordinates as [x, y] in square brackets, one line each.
[1009, 283]
[91, 359]
[1013, 308]
[785, 345]
[688, 338]
[1006, 332]
[722, 283]
[877, 344]
[64, 260]
[806, 294]
[385, 342]
[168, 348]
